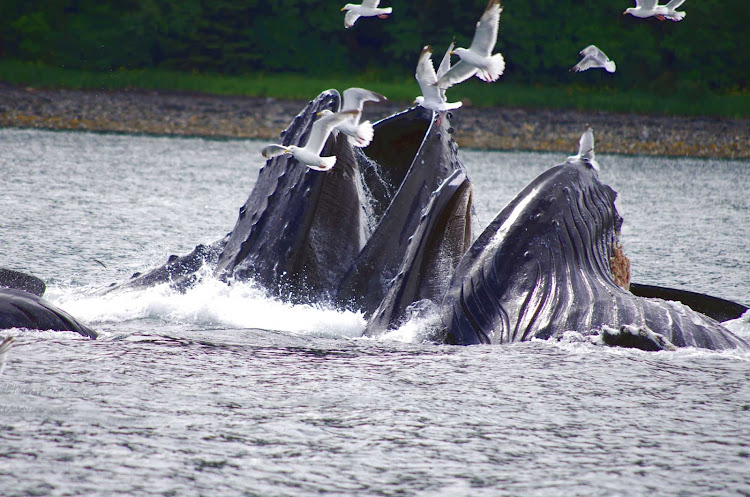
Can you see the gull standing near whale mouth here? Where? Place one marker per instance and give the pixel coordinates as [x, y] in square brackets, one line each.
[651, 8]
[593, 58]
[368, 8]
[478, 58]
[360, 134]
[433, 97]
[309, 155]
[586, 149]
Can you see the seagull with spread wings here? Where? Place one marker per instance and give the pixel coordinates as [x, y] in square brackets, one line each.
[651, 8]
[433, 97]
[478, 58]
[593, 58]
[309, 155]
[368, 8]
[360, 133]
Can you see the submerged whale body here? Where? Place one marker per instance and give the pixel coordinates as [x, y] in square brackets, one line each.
[388, 230]
[21, 309]
[22, 306]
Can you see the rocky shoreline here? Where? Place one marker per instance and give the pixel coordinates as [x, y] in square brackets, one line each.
[219, 116]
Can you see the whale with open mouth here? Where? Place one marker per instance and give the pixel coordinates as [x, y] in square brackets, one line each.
[390, 227]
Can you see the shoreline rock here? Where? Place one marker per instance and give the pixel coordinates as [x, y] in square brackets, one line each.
[493, 128]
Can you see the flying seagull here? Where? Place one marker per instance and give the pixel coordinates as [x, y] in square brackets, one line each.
[651, 8]
[478, 59]
[433, 97]
[593, 58]
[309, 155]
[4, 348]
[586, 148]
[368, 8]
[360, 134]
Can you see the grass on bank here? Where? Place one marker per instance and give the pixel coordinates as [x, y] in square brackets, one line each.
[300, 87]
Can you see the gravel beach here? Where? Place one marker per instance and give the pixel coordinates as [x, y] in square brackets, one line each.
[219, 116]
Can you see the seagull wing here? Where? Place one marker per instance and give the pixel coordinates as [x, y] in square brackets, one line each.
[350, 18]
[586, 144]
[445, 64]
[590, 51]
[485, 35]
[370, 4]
[586, 63]
[444, 67]
[460, 72]
[355, 98]
[323, 127]
[274, 151]
[673, 4]
[426, 76]
[646, 4]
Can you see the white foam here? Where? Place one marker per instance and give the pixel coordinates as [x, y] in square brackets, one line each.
[210, 304]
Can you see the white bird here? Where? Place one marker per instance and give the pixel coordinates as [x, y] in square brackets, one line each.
[649, 8]
[593, 58]
[433, 97]
[478, 59]
[586, 149]
[368, 8]
[4, 348]
[309, 155]
[360, 134]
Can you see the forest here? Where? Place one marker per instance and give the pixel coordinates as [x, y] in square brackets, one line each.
[540, 39]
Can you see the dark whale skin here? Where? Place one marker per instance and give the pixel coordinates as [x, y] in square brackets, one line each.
[19, 309]
[542, 267]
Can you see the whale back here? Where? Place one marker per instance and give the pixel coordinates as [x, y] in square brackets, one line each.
[19, 309]
[542, 267]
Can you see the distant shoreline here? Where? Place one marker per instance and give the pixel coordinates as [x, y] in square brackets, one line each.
[492, 128]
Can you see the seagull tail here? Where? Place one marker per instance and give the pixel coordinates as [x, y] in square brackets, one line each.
[365, 132]
[451, 105]
[495, 67]
[677, 16]
[610, 66]
[326, 163]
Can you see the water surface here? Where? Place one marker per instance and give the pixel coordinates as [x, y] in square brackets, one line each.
[224, 391]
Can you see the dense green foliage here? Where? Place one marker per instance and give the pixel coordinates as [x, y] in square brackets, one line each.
[539, 38]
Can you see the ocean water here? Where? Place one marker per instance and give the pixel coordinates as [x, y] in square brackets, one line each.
[224, 391]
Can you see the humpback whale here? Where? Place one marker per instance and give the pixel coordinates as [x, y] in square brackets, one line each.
[388, 230]
[22, 306]
[22, 281]
[21, 309]
[544, 266]
[305, 235]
